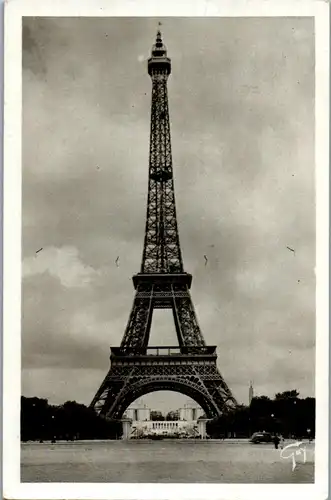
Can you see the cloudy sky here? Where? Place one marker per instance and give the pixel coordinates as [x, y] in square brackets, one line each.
[241, 98]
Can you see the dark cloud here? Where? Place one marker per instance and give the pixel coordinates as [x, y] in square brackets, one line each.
[35, 38]
[242, 117]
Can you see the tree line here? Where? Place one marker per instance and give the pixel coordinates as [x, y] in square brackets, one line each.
[41, 421]
[286, 414]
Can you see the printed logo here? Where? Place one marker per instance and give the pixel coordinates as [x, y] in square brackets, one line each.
[294, 450]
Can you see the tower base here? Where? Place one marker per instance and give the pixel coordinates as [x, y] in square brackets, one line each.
[202, 427]
[193, 373]
[126, 426]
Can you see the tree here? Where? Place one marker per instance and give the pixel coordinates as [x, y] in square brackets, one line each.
[156, 415]
[172, 415]
[287, 395]
[296, 415]
[241, 421]
[35, 418]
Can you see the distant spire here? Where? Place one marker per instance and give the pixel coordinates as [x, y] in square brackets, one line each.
[250, 392]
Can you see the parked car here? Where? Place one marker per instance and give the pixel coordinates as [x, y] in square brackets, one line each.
[261, 437]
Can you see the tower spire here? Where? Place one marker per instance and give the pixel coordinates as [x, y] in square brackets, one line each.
[161, 252]
[158, 49]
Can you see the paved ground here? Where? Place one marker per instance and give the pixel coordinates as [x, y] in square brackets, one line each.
[165, 461]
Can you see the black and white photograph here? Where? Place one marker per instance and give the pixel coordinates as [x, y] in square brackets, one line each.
[168, 245]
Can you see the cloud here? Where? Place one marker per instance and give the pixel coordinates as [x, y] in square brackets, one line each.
[62, 263]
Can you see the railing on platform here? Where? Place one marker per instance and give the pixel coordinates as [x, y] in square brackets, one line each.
[166, 351]
[162, 295]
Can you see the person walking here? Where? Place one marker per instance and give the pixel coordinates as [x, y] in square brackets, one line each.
[282, 442]
[276, 441]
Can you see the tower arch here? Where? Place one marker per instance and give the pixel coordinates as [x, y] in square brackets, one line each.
[142, 387]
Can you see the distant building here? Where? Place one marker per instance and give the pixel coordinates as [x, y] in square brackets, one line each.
[138, 412]
[142, 425]
[190, 412]
[164, 428]
[250, 393]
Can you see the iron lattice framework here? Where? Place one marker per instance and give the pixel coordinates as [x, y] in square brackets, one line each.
[190, 367]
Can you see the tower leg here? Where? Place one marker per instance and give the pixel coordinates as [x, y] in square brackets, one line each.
[126, 426]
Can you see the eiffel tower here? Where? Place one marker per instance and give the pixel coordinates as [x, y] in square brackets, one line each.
[137, 368]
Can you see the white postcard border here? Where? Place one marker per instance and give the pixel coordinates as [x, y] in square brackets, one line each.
[14, 11]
